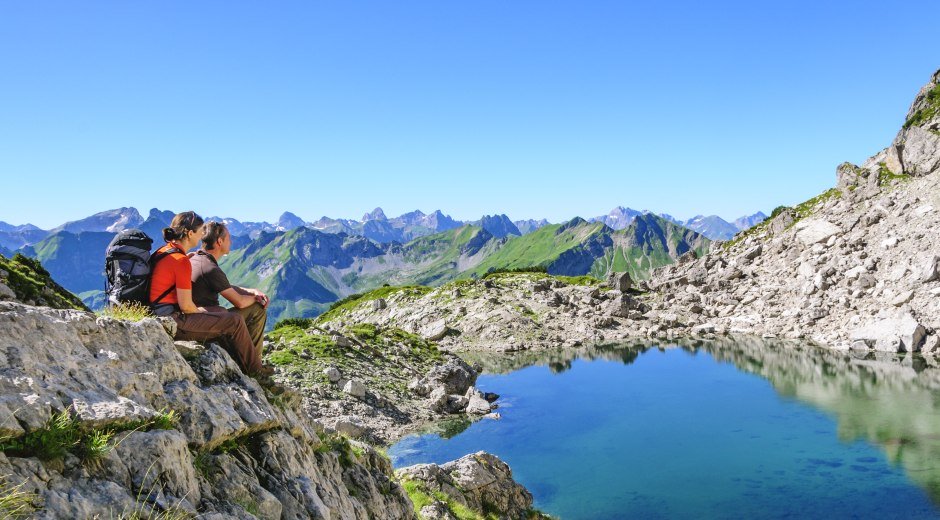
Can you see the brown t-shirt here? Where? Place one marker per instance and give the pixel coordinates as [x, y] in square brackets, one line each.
[208, 280]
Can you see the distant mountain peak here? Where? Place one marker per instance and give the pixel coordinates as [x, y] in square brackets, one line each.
[289, 221]
[376, 214]
[499, 226]
[112, 221]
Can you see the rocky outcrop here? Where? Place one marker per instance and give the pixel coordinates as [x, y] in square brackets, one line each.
[479, 481]
[226, 450]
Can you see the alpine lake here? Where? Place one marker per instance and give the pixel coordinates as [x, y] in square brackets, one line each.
[708, 429]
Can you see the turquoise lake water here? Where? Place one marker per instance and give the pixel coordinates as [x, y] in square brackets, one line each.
[711, 430]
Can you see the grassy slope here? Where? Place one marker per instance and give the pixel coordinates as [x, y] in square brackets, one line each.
[649, 242]
[538, 248]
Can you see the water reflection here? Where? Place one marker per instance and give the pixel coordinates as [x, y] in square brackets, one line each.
[890, 400]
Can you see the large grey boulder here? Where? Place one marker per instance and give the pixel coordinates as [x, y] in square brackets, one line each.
[899, 333]
[455, 376]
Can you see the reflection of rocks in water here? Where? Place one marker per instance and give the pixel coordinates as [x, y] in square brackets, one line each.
[450, 427]
[558, 360]
[889, 399]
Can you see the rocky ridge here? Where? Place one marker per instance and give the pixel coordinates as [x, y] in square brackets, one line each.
[505, 312]
[856, 267]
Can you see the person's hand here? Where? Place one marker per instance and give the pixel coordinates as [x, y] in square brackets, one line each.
[261, 298]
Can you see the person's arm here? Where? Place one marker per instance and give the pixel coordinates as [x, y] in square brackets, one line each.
[240, 299]
[255, 294]
[185, 299]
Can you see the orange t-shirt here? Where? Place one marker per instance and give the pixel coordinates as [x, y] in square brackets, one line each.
[171, 271]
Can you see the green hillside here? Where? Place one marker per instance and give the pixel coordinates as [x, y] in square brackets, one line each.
[543, 247]
[649, 242]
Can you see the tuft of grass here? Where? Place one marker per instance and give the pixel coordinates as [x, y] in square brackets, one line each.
[579, 280]
[301, 323]
[165, 420]
[421, 496]
[63, 434]
[14, 502]
[202, 459]
[145, 509]
[132, 311]
[95, 445]
[57, 437]
[249, 504]
[502, 270]
[807, 208]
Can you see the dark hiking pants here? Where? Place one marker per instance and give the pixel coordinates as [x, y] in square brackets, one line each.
[228, 328]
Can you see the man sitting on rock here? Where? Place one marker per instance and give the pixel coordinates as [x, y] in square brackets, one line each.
[209, 281]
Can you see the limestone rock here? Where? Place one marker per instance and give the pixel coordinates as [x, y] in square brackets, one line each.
[620, 281]
[478, 480]
[814, 231]
[436, 331]
[355, 388]
[332, 373]
[109, 372]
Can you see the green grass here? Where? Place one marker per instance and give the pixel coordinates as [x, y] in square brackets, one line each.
[14, 502]
[57, 437]
[63, 434]
[126, 312]
[928, 112]
[421, 496]
[809, 207]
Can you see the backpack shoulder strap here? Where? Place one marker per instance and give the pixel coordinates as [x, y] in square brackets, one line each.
[153, 263]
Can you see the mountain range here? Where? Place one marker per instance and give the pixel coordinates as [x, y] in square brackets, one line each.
[373, 225]
[712, 226]
[305, 266]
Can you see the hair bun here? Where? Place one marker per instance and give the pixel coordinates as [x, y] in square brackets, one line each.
[170, 234]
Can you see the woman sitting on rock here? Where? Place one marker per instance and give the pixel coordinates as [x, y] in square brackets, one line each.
[171, 295]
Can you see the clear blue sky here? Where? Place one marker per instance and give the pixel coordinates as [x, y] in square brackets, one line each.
[531, 108]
